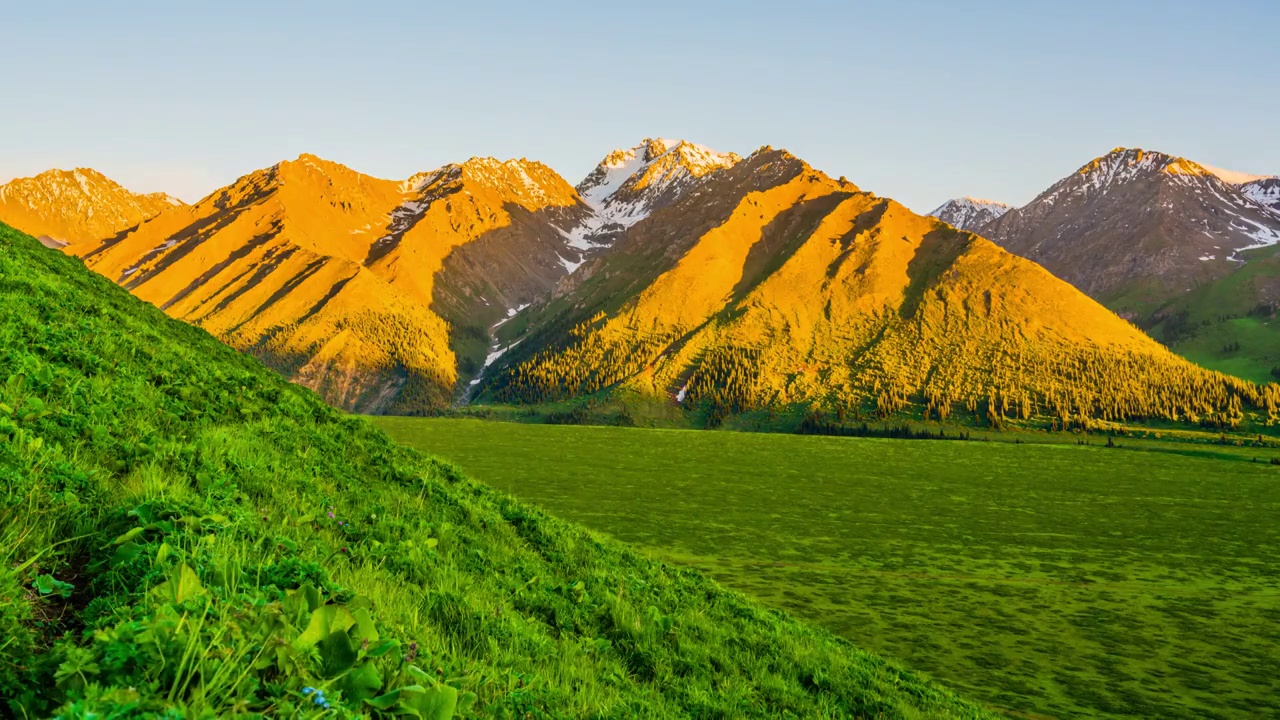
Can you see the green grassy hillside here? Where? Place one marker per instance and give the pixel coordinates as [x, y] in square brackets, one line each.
[184, 533]
[1230, 324]
[1052, 580]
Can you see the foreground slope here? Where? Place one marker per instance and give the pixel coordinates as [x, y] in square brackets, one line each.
[184, 531]
[773, 286]
[64, 207]
[376, 293]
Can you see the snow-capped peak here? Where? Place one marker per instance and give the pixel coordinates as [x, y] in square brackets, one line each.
[631, 183]
[969, 213]
[616, 168]
[1124, 164]
[653, 165]
[1244, 220]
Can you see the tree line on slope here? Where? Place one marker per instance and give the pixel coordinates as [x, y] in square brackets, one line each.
[1064, 390]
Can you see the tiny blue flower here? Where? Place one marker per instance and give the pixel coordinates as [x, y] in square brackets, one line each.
[308, 690]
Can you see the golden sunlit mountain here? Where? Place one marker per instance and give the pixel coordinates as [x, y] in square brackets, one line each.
[771, 286]
[355, 286]
[64, 207]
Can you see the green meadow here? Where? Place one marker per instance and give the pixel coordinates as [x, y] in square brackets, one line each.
[1046, 580]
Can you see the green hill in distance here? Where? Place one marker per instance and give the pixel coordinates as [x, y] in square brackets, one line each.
[186, 534]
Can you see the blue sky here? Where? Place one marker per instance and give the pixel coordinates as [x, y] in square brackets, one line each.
[916, 100]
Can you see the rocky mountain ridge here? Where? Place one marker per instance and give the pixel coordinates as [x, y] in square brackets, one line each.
[61, 207]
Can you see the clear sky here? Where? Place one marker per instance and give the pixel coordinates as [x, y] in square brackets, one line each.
[914, 99]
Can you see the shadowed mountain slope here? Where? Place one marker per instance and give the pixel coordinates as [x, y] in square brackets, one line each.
[373, 292]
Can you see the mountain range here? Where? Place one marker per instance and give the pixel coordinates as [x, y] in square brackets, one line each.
[1184, 250]
[712, 284]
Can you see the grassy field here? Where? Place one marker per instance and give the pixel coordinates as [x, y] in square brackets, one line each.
[1045, 579]
[1215, 347]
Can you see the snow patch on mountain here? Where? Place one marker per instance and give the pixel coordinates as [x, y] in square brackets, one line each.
[570, 266]
[1262, 235]
[511, 312]
[496, 351]
[617, 168]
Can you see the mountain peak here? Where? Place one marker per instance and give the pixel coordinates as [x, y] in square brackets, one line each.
[1122, 164]
[969, 213]
[631, 183]
[528, 183]
[79, 205]
[308, 163]
[654, 162]
[1171, 164]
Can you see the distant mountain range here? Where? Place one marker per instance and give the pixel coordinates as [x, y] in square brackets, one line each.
[706, 282]
[1183, 249]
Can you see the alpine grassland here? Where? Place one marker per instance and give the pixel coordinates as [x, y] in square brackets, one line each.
[1046, 577]
[1230, 324]
[185, 534]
